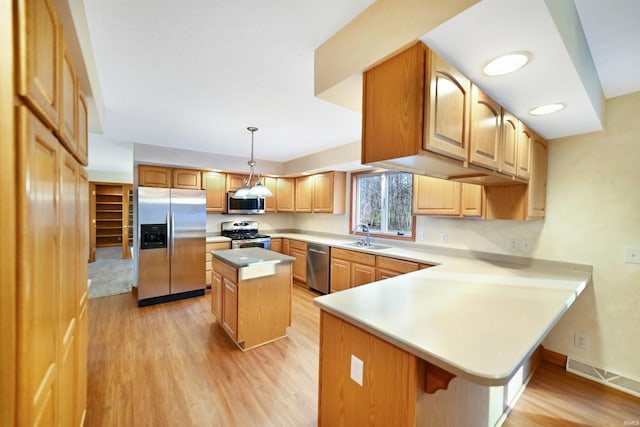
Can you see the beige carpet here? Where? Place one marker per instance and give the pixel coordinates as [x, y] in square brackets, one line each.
[110, 274]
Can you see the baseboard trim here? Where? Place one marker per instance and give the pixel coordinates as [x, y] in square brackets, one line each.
[554, 358]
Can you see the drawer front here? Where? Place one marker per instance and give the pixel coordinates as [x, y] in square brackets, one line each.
[297, 244]
[359, 257]
[393, 264]
[225, 270]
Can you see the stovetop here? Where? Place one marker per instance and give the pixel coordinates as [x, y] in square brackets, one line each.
[241, 230]
[244, 235]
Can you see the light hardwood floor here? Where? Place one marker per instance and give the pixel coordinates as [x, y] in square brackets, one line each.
[172, 365]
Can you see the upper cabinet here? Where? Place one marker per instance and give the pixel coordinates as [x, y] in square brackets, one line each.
[270, 202]
[509, 145]
[537, 188]
[83, 139]
[485, 130]
[321, 193]
[235, 181]
[523, 157]
[214, 183]
[448, 100]
[154, 176]
[188, 179]
[439, 197]
[285, 194]
[68, 92]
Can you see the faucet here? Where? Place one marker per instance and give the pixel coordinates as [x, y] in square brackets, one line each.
[365, 229]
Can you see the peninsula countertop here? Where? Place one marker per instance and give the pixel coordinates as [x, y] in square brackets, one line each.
[247, 257]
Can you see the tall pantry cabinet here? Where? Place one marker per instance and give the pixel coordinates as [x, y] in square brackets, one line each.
[44, 189]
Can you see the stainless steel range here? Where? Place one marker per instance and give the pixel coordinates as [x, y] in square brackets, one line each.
[244, 234]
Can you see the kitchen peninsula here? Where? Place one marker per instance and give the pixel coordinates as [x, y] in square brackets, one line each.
[251, 294]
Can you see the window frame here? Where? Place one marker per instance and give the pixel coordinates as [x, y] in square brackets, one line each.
[354, 204]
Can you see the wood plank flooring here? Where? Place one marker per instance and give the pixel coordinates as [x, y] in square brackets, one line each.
[172, 365]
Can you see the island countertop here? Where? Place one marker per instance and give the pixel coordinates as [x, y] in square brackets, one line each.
[247, 257]
[478, 320]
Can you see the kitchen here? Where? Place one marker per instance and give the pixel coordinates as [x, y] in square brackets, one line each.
[575, 228]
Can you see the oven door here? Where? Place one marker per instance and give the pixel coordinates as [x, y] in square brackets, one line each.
[251, 243]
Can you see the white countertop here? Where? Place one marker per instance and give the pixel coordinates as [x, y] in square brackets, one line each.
[477, 318]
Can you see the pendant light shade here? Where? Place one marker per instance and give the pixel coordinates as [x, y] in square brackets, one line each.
[247, 191]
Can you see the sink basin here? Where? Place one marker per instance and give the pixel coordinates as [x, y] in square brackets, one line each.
[372, 246]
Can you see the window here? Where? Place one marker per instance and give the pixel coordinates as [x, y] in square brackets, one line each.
[383, 202]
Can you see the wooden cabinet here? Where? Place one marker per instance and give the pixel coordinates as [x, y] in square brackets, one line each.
[111, 221]
[432, 196]
[83, 140]
[188, 179]
[472, 200]
[350, 269]
[271, 183]
[509, 145]
[321, 193]
[304, 194]
[214, 246]
[216, 294]
[214, 183]
[154, 176]
[39, 44]
[286, 247]
[485, 130]
[68, 93]
[523, 162]
[285, 195]
[448, 93]
[230, 307]
[298, 250]
[235, 181]
[537, 189]
[276, 244]
[387, 267]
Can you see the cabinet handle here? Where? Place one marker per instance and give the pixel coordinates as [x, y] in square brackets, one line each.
[226, 285]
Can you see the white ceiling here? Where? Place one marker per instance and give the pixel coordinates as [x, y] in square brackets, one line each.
[194, 74]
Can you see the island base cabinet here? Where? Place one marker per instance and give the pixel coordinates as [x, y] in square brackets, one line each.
[394, 385]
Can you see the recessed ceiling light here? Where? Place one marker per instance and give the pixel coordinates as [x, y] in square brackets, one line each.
[506, 64]
[546, 109]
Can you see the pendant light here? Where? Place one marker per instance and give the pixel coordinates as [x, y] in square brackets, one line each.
[247, 191]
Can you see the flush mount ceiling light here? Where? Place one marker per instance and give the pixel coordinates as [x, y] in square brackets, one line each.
[546, 109]
[247, 191]
[506, 64]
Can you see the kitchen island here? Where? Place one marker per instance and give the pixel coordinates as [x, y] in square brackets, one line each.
[251, 294]
[450, 345]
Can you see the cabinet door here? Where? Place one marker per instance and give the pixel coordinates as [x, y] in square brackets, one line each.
[323, 192]
[38, 59]
[304, 193]
[68, 92]
[214, 183]
[230, 310]
[286, 246]
[276, 245]
[537, 202]
[38, 293]
[508, 157]
[154, 176]
[340, 275]
[383, 273]
[300, 264]
[432, 196]
[393, 106]
[471, 200]
[216, 294]
[285, 195]
[523, 164]
[83, 137]
[362, 274]
[187, 179]
[447, 115]
[270, 202]
[235, 182]
[485, 130]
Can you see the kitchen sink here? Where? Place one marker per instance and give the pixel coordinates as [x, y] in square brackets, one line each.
[373, 247]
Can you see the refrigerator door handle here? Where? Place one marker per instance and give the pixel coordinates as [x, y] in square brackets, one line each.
[170, 236]
[173, 237]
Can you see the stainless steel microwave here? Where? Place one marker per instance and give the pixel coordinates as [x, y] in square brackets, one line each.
[244, 206]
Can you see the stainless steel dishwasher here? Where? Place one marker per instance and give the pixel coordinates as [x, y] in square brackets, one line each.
[318, 257]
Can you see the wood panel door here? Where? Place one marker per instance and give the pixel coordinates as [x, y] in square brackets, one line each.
[38, 293]
[523, 163]
[83, 137]
[485, 130]
[154, 176]
[38, 58]
[448, 99]
[271, 183]
[214, 183]
[230, 309]
[300, 264]
[323, 192]
[432, 196]
[471, 200]
[68, 92]
[340, 274]
[393, 106]
[304, 193]
[235, 182]
[509, 146]
[276, 245]
[187, 179]
[216, 294]
[362, 274]
[285, 195]
[537, 202]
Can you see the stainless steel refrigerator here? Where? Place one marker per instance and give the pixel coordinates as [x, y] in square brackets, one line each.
[171, 244]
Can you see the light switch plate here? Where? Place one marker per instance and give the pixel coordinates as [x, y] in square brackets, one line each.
[632, 255]
[357, 368]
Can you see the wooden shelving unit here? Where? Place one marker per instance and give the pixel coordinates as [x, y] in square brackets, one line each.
[112, 215]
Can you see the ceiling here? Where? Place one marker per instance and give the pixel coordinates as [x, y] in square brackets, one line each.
[195, 74]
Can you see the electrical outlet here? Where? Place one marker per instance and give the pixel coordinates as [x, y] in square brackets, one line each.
[420, 235]
[581, 341]
[444, 237]
[513, 244]
[632, 255]
[525, 245]
[357, 369]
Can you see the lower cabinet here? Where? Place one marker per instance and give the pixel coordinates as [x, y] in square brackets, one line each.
[298, 250]
[351, 268]
[214, 246]
[276, 245]
[391, 267]
[230, 310]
